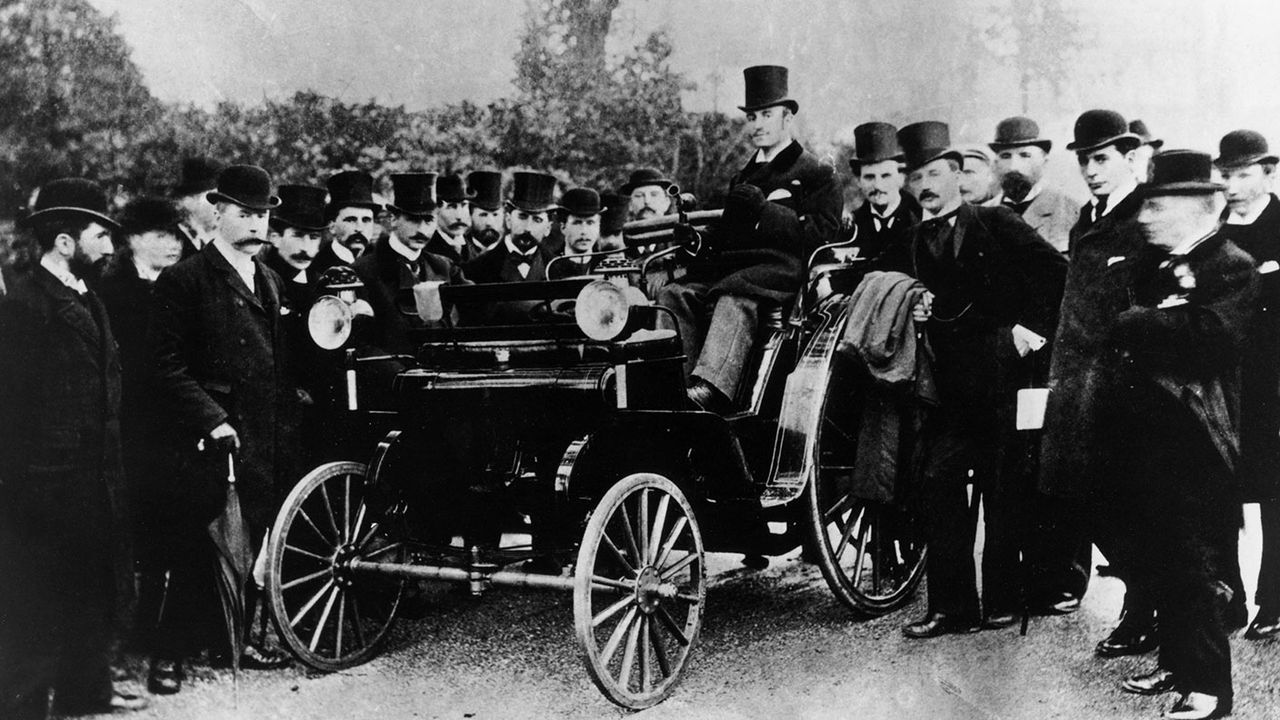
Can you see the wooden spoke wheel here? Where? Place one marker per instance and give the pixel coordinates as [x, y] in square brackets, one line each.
[868, 551]
[639, 589]
[330, 617]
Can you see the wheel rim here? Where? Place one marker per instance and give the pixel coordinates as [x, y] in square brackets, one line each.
[328, 616]
[639, 590]
[868, 551]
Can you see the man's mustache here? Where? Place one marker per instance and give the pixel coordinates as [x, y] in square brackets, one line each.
[928, 195]
[302, 257]
[356, 237]
[248, 241]
[459, 225]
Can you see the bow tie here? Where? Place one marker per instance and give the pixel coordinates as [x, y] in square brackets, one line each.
[1019, 207]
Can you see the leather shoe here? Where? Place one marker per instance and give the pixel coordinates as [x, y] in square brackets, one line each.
[755, 562]
[1155, 682]
[1063, 603]
[998, 620]
[119, 702]
[707, 397]
[936, 624]
[165, 677]
[1198, 706]
[1129, 638]
[1265, 624]
[264, 658]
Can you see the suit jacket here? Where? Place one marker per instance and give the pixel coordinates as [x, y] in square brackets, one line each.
[1001, 274]
[438, 245]
[805, 187]
[387, 277]
[61, 476]
[871, 241]
[1260, 374]
[1125, 212]
[1053, 214]
[325, 259]
[499, 264]
[222, 356]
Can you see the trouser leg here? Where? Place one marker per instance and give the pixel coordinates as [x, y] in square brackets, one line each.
[688, 303]
[735, 323]
[945, 455]
[1268, 594]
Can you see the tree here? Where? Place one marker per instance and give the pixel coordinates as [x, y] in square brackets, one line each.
[1041, 41]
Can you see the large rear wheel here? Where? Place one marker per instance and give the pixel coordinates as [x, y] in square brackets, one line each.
[639, 589]
[328, 616]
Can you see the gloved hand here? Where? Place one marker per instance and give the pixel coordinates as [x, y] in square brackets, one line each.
[743, 206]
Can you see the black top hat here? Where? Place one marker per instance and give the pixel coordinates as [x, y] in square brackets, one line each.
[1099, 128]
[199, 175]
[924, 142]
[415, 193]
[302, 207]
[1180, 172]
[615, 213]
[581, 201]
[486, 189]
[534, 192]
[645, 176]
[1243, 147]
[1139, 128]
[351, 188]
[245, 185]
[874, 142]
[449, 188]
[71, 197]
[766, 87]
[1019, 131]
[149, 214]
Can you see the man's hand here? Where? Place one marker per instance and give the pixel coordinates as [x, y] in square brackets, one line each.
[923, 309]
[224, 438]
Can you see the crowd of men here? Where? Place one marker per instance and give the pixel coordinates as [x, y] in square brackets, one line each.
[138, 350]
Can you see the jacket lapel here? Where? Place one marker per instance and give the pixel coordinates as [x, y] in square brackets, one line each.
[232, 277]
[69, 310]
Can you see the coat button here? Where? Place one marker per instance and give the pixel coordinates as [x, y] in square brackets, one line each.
[243, 341]
[239, 302]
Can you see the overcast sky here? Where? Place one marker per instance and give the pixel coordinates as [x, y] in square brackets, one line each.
[1192, 69]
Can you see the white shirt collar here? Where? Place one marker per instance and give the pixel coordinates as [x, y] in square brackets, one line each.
[144, 272]
[926, 215]
[889, 210]
[64, 275]
[762, 157]
[1251, 217]
[1116, 196]
[242, 263]
[343, 252]
[403, 250]
[511, 248]
[456, 243]
[1188, 245]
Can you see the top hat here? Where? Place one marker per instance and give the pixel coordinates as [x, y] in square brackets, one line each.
[1019, 131]
[1243, 147]
[924, 142]
[581, 201]
[1180, 172]
[533, 192]
[1139, 128]
[302, 207]
[70, 197]
[1099, 128]
[645, 176]
[415, 193]
[351, 188]
[486, 189]
[615, 213]
[245, 185]
[766, 87]
[199, 175]
[449, 188]
[149, 214]
[874, 142]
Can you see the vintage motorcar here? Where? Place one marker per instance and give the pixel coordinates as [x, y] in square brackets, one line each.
[574, 429]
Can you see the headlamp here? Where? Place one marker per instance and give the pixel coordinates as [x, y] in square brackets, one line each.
[603, 309]
[329, 322]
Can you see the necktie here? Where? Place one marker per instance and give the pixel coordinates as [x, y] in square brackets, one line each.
[1100, 208]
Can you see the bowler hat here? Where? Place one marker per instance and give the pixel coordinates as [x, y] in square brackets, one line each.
[1019, 131]
[486, 189]
[1243, 147]
[415, 193]
[1139, 128]
[149, 214]
[302, 207]
[351, 188]
[581, 201]
[645, 176]
[874, 142]
[615, 213]
[976, 152]
[449, 188]
[199, 175]
[70, 197]
[766, 87]
[1100, 128]
[1180, 172]
[924, 142]
[533, 192]
[245, 185]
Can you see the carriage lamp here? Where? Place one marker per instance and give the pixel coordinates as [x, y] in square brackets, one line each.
[606, 311]
[329, 322]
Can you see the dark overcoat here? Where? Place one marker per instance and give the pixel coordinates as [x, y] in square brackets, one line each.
[386, 275]
[896, 230]
[64, 537]
[1259, 471]
[438, 245]
[499, 265]
[222, 356]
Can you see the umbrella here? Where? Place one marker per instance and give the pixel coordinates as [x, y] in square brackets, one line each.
[234, 563]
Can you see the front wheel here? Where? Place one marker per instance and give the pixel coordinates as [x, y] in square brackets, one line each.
[639, 588]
